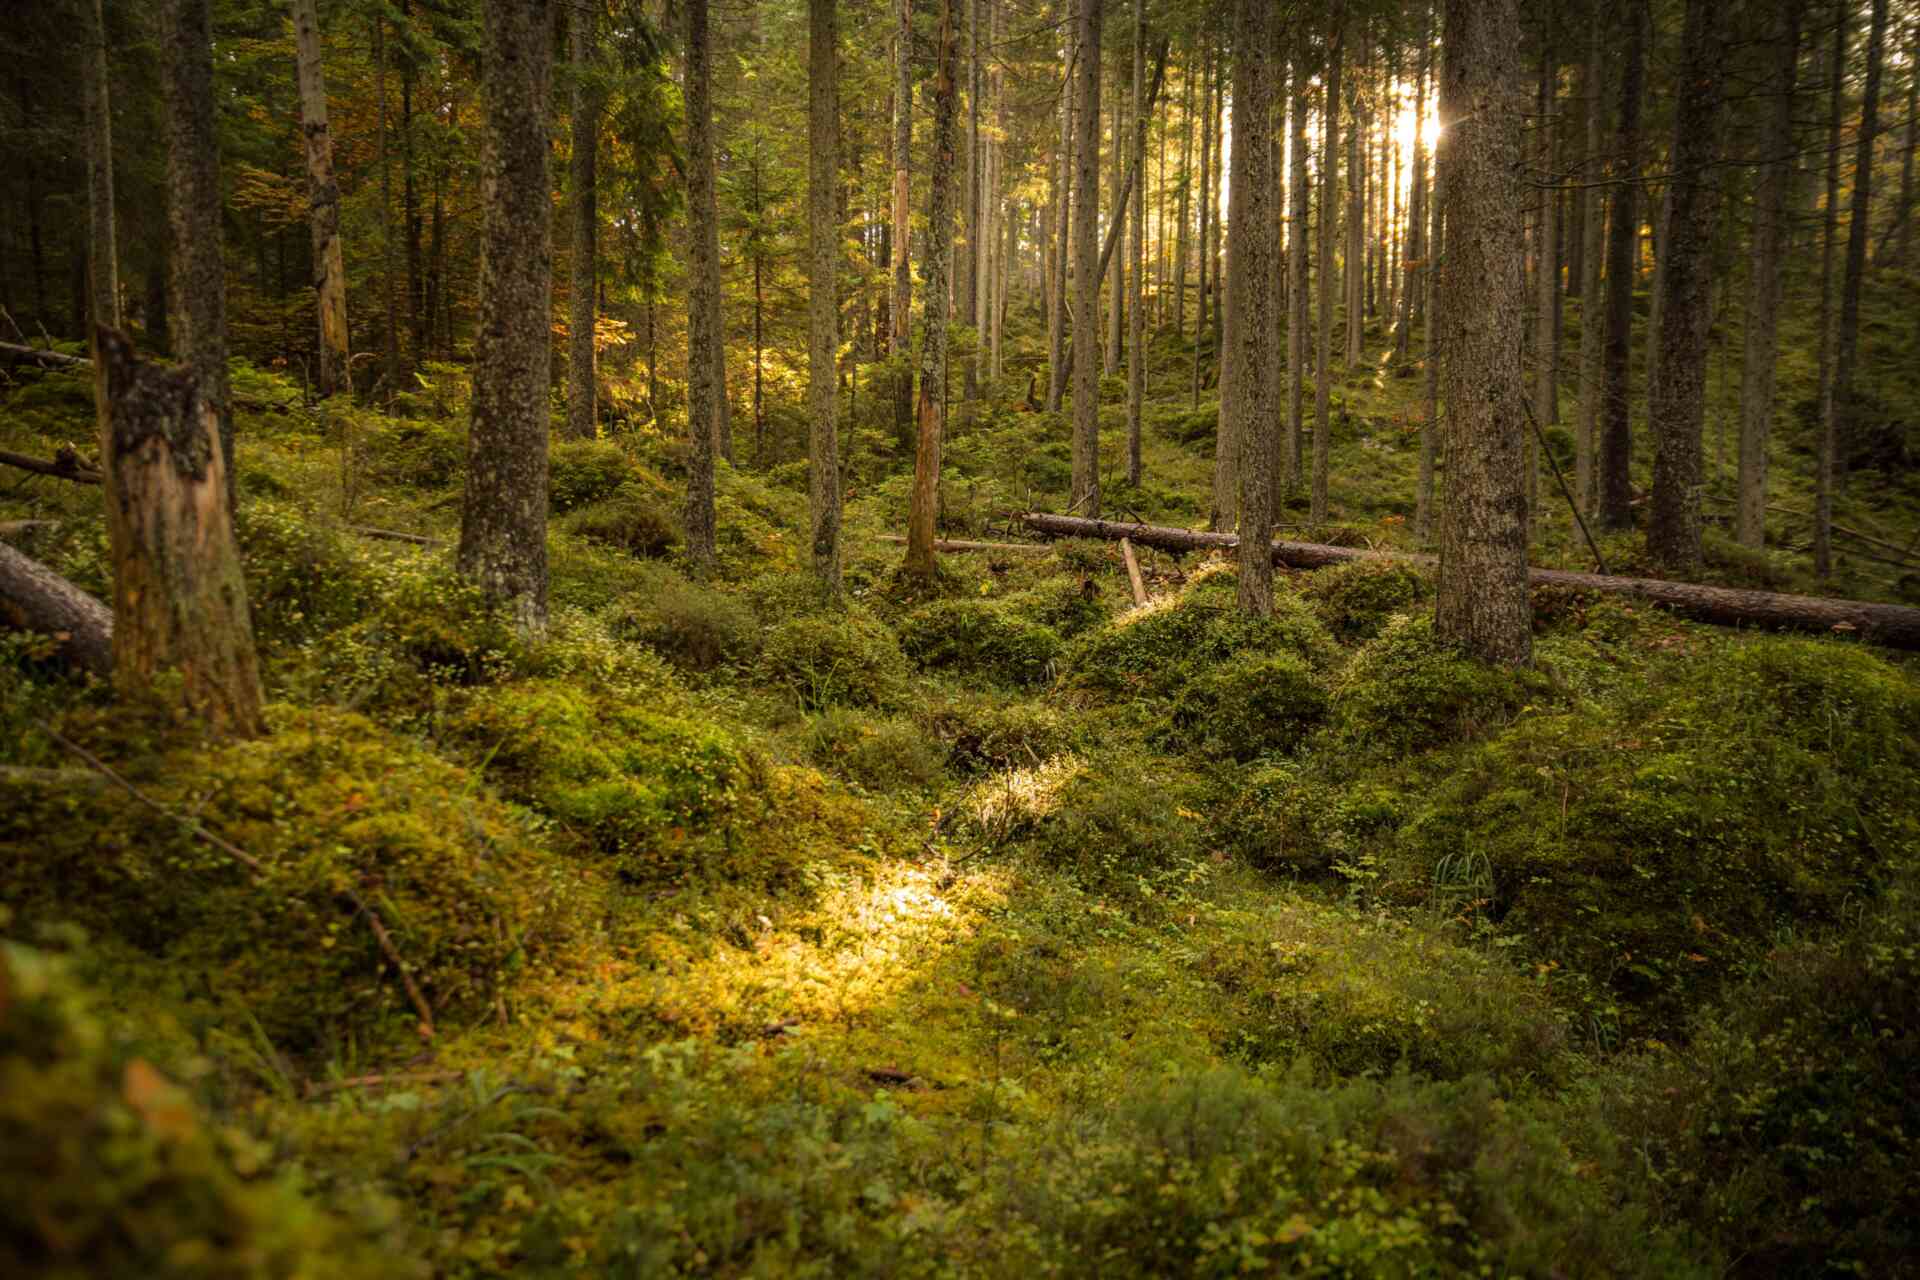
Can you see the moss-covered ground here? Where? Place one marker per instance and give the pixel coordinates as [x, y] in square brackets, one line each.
[992, 927]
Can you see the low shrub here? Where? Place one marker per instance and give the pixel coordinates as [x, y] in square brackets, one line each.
[1154, 651]
[112, 1170]
[582, 472]
[693, 626]
[982, 638]
[984, 731]
[328, 801]
[880, 754]
[1408, 689]
[1356, 599]
[414, 452]
[1279, 817]
[1068, 605]
[834, 658]
[1252, 704]
[629, 520]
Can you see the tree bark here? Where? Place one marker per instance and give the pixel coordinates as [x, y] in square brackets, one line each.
[1354, 258]
[933, 346]
[503, 525]
[1200, 326]
[1765, 278]
[1299, 231]
[1546, 354]
[1616, 441]
[103, 259]
[1895, 626]
[703, 301]
[35, 598]
[332, 371]
[1063, 235]
[1678, 408]
[1415, 253]
[1482, 598]
[1253, 321]
[179, 596]
[1593, 222]
[583, 301]
[1086, 300]
[1847, 345]
[823, 305]
[1137, 251]
[1824, 459]
[1183, 201]
[901, 309]
[199, 322]
[1323, 385]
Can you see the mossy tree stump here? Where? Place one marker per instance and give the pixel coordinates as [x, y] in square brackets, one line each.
[179, 597]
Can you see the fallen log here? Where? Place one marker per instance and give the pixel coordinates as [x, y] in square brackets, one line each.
[17, 353]
[35, 598]
[66, 465]
[1892, 625]
[394, 535]
[962, 545]
[1134, 581]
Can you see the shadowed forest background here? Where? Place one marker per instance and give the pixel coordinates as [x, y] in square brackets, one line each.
[573, 699]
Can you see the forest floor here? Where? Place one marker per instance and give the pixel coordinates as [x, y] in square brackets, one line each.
[997, 928]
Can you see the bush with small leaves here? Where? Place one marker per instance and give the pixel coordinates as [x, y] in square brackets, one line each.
[630, 520]
[1356, 599]
[980, 637]
[1408, 689]
[882, 754]
[693, 626]
[580, 472]
[836, 657]
[1252, 704]
[1154, 651]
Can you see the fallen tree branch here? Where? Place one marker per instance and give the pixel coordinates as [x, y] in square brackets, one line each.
[41, 356]
[1040, 547]
[1133, 573]
[66, 465]
[1838, 528]
[374, 1081]
[1895, 626]
[391, 535]
[253, 864]
[10, 527]
[35, 598]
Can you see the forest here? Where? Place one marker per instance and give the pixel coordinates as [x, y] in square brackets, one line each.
[959, 638]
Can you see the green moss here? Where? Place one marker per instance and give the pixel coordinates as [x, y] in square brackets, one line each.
[1154, 651]
[833, 658]
[880, 754]
[1281, 818]
[1356, 599]
[693, 626]
[629, 520]
[987, 731]
[1069, 605]
[303, 579]
[980, 638]
[581, 472]
[1252, 704]
[1408, 689]
[325, 803]
[416, 453]
[111, 1169]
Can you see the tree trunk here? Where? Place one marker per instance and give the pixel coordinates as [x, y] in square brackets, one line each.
[1183, 213]
[1117, 198]
[1063, 237]
[503, 526]
[391, 337]
[1546, 353]
[1765, 276]
[930, 410]
[1254, 319]
[1086, 249]
[823, 305]
[1423, 513]
[1353, 260]
[103, 260]
[1678, 406]
[1824, 460]
[703, 302]
[1895, 626]
[1482, 598]
[1616, 441]
[199, 322]
[582, 303]
[1323, 385]
[1593, 222]
[179, 596]
[332, 372]
[1415, 253]
[1137, 253]
[1847, 346]
[901, 309]
[1200, 326]
[35, 598]
[1298, 233]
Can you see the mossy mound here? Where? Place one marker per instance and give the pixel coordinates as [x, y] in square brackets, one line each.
[879, 753]
[1069, 605]
[629, 780]
[416, 453]
[1155, 650]
[1660, 854]
[303, 578]
[1281, 818]
[692, 625]
[581, 472]
[630, 519]
[982, 638]
[329, 802]
[108, 1168]
[987, 731]
[836, 658]
[1126, 827]
[1408, 689]
[1356, 599]
[1252, 704]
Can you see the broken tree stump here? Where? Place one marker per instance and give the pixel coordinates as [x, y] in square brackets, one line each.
[179, 597]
